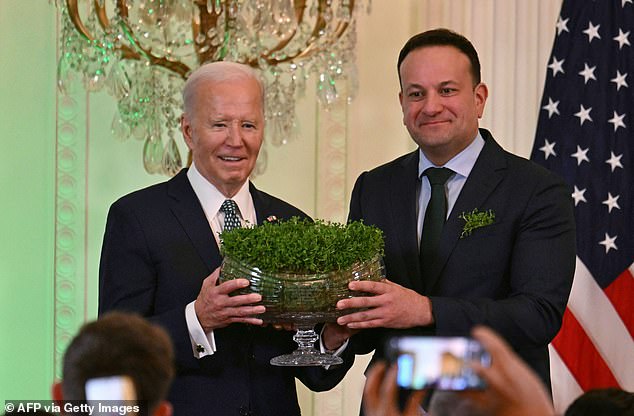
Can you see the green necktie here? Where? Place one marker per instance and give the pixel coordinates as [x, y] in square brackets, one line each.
[435, 217]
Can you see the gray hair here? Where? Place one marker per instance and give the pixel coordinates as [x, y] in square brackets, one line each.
[217, 72]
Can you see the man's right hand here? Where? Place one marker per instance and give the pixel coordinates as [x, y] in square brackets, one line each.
[216, 309]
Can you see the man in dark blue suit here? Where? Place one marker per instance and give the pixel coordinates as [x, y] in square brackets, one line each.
[161, 258]
[509, 265]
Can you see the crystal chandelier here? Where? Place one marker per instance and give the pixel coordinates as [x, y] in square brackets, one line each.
[141, 52]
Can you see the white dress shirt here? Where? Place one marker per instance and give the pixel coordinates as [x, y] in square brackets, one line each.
[211, 199]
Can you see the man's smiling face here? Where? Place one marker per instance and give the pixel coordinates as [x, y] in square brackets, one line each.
[225, 131]
[441, 106]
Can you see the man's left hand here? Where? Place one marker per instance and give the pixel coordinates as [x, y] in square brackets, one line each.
[392, 306]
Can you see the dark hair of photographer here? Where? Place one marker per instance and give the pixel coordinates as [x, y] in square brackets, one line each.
[603, 402]
[120, 344]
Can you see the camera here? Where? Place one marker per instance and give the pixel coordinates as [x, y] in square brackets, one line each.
[441, 363]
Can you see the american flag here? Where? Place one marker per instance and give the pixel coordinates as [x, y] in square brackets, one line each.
[585, 133]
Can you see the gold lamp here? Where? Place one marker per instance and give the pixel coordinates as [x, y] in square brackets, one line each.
[141, 52]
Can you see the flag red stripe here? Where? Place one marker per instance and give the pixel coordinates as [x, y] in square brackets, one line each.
[620, 294]
[580, 355]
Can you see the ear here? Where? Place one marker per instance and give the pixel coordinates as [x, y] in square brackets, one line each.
[186, 129]
[481, 92]
[163, 409]
[400, 100]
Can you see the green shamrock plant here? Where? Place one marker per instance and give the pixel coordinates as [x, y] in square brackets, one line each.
[476, 219]
[303, 246]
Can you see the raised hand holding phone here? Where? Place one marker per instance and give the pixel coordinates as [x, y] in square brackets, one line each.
[442, 363]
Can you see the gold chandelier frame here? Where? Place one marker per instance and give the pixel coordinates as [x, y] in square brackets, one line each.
[318, 38]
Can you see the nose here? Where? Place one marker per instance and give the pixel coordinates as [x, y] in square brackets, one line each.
[432, 104]
[234, 134]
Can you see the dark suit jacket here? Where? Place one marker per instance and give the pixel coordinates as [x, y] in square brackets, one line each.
[514, 275]
[158, 248]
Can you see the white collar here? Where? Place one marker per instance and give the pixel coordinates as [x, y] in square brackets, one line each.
[462, 163]
[211, 198]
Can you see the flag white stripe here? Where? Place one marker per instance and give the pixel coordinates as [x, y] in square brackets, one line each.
[565, 386]
[602, 324]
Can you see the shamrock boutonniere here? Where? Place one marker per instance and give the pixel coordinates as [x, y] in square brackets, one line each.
[476, 219]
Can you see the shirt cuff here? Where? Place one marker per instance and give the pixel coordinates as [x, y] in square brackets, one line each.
[336, 352]
[203, 344]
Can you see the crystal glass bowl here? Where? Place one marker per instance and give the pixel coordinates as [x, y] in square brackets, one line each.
[297, 298]
[302, 299]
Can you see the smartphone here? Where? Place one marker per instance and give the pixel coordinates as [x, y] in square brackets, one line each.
[110, 388]
[437, 362]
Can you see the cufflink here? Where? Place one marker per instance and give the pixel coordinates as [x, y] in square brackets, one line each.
[200, 348]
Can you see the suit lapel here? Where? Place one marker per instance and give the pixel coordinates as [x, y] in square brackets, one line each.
[189, 213]
[404, 184]
[488, 171]
[262, 206]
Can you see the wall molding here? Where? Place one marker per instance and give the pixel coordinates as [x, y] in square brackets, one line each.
[70, 218]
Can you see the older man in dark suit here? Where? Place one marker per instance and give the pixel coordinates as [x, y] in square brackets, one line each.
[160, 258]
[502, 252]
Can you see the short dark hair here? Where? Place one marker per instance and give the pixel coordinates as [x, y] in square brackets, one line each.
[120, 344]
[442, 37]
[602, 402]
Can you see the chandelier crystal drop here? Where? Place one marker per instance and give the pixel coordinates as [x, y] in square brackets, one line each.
[141, 52]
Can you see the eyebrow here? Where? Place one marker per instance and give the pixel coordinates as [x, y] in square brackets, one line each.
[440, 85]
[449, 83]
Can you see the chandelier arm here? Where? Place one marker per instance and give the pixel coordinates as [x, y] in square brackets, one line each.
[300, 8]
[208, 20]
[311, 47]
[127, 52]
[73, 14]
[320, 23]
[104, 22]
[136, 51]
[72, 9]
[122, 6]
[225, 40]
[101, 14]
